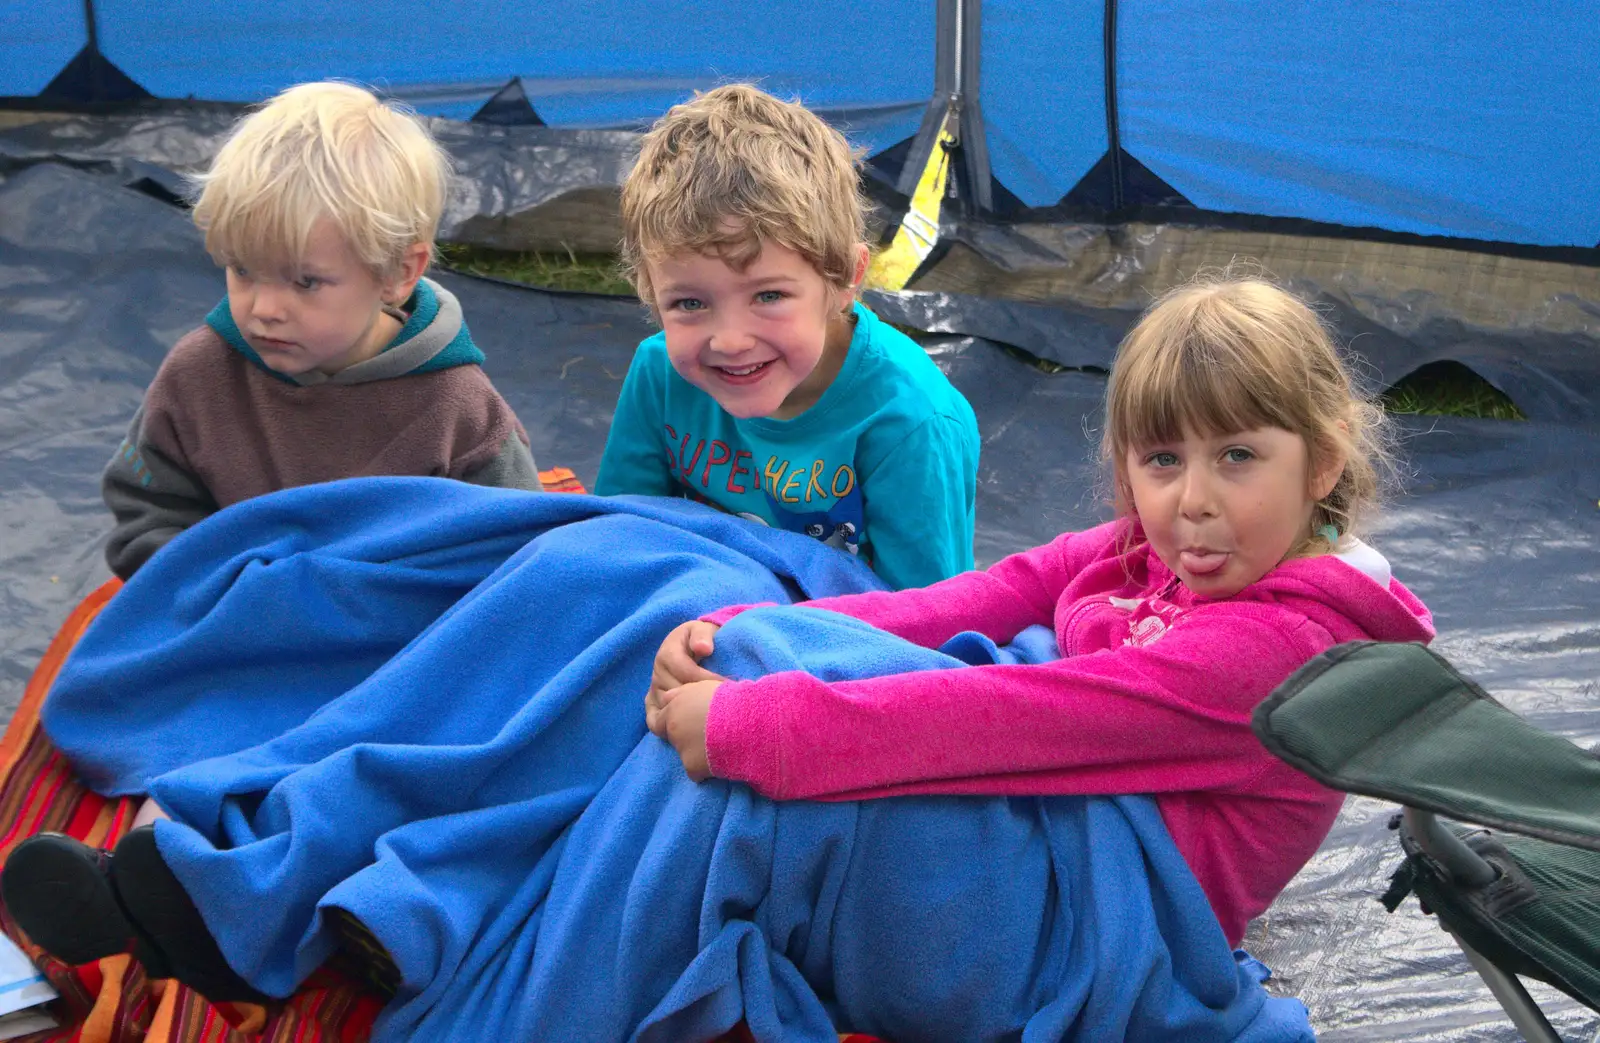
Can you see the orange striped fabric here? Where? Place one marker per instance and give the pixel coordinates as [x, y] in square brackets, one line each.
[112, 1001]
[560, 480]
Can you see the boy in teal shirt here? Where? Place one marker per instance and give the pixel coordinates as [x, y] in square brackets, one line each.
[771, 392]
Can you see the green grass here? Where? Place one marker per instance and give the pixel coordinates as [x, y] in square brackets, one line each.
[589, 273]
[1440, 389]
[1450, 389]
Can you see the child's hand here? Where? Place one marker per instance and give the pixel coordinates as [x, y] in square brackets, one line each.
[678, 660]
[679, 717]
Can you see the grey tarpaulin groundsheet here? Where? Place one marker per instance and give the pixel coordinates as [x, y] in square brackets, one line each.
[1530, 326]
[1527, 323]
[1501, 533]
[1552, 377]
[516, 187]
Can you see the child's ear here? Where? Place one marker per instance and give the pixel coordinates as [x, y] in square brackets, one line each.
[1327, 464]
[1330, 467]
[863, 259]
[413, 263]
[847, 296]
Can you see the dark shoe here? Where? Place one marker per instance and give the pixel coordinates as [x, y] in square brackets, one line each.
[59, 892]
[164, 915]
[360, 955]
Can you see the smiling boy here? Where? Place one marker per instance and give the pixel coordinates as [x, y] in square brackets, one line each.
[331, 356]
[771, 392]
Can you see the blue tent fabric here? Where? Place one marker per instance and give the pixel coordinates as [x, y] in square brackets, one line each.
[37, 39]
[615, 64]
[486, 799]
[1475, 120]
[1043, 93]
[1470, 120]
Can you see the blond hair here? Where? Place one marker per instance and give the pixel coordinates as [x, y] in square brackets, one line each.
[323, 150]
[1224, 354]
[735, 168]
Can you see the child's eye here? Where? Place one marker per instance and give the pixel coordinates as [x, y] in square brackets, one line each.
[770, 296]
[1162, 459]
[1238, 455]
[239, 270]
[308, 282]
[688, 304]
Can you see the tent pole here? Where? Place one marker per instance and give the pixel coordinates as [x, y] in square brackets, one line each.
[944, 93]
[977, 190]
[92, 30]
[1113, 121]
[954, 105]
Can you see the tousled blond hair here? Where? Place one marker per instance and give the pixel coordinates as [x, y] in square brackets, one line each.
[735, 168]
[1224, 354]
[323, 150]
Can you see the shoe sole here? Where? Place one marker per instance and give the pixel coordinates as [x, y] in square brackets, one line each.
[60, 895]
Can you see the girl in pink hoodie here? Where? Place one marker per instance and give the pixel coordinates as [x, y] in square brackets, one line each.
[1244, 464]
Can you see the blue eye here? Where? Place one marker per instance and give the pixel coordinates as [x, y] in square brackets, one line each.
[1162, 459]
[239, 270]
[1239, 455]
[770, 296]
[308, 282]
[688, 304]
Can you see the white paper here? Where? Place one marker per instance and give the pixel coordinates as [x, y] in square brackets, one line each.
[21, 984]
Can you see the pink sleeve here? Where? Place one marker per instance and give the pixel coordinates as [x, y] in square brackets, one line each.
[721, 616]
[1171, 716]
[1012, 594]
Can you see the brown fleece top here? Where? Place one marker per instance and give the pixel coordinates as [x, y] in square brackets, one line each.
[243, 432]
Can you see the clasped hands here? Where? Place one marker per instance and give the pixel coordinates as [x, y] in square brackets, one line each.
[679, 700]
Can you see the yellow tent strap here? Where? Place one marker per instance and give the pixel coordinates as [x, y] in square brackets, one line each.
[919, 229]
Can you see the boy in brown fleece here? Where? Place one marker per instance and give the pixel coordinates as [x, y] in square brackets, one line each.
[331, 356]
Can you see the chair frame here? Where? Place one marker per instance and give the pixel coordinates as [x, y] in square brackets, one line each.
[1469, 869]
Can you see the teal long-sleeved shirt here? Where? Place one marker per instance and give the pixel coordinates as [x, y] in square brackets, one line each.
[884, 465]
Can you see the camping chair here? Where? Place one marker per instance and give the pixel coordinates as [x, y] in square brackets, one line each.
[1398, 723]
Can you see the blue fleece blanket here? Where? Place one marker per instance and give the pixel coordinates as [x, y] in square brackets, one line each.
[421, 702]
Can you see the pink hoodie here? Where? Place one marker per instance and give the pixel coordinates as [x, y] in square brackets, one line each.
[1153, 695]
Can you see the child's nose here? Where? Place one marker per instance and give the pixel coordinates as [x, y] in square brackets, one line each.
[731, 338]
[267, 303]
[1196, 499]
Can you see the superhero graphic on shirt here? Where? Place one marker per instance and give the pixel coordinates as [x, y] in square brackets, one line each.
[840, 526]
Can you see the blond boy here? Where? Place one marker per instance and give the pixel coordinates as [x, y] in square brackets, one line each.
[772, 392]
[331, 356]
